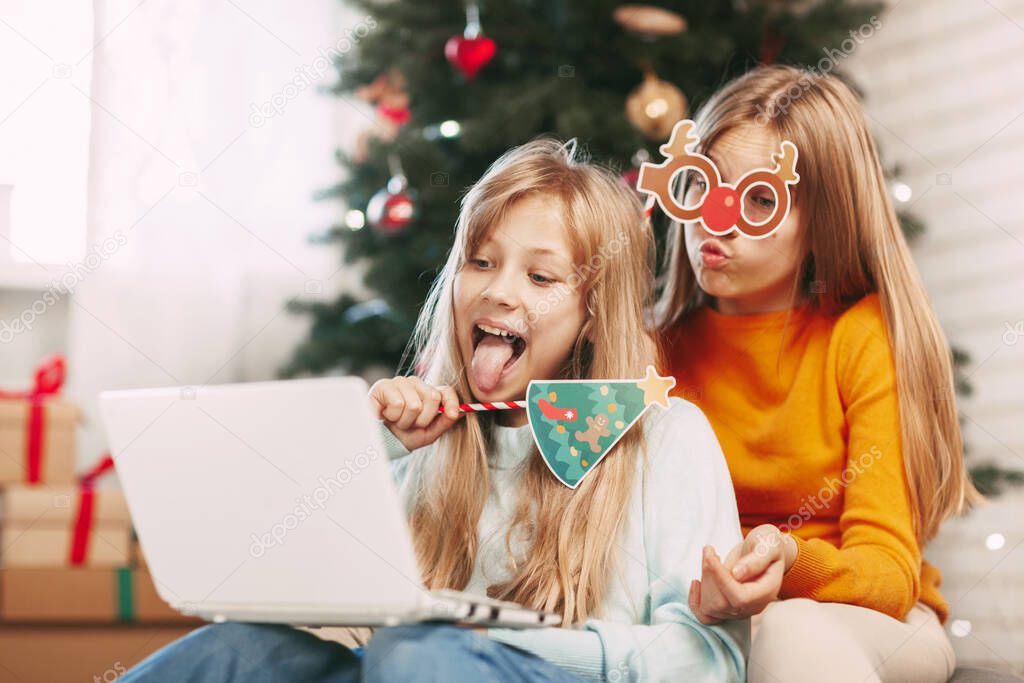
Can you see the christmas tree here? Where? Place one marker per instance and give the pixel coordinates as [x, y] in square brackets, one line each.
[455, 85]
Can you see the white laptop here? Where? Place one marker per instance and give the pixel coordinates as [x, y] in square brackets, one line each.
[274, 502]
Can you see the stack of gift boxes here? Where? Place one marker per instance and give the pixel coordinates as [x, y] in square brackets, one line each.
[67, 552]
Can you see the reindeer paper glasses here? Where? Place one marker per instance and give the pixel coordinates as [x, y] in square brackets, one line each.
[723, 207]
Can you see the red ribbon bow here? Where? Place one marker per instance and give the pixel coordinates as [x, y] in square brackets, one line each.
[86, 502]
[49, 379]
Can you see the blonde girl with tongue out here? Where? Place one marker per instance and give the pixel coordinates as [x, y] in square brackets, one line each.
[549, 277]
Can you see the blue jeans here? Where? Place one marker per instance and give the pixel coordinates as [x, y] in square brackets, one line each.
[264, 653]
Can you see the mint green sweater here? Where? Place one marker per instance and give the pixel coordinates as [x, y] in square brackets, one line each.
[681, 502]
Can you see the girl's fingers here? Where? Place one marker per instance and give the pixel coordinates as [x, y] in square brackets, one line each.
[712, 602]
[413, 404]
[695, 604]
[442, 423]
[410, 406]
[729, 587]
[450, 401]
[768, 584]
[753, 564]
[388, 398]
[695, 597]
[734, 556]
[746, 599]
[430, 398]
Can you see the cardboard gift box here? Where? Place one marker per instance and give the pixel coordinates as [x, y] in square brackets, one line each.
[49, 455]
[56, 526]
[37, 430]
[138, 557]
[77, 595]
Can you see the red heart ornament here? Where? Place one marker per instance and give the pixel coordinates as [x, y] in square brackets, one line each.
[721, 209]
[469, 55]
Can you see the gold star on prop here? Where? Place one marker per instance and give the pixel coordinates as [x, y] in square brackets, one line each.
[655, 387]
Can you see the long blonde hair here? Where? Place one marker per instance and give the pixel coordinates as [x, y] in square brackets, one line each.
[854, 246]
[570, 534]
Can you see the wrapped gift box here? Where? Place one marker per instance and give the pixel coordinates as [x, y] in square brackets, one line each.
[37, 430]
[56, 447]
[138, 558]
[83, 595]
[39, 525]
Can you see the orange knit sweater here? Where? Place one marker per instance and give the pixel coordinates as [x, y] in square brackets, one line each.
[809, 423]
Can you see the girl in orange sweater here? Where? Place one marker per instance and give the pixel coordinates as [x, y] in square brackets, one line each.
[817, 358]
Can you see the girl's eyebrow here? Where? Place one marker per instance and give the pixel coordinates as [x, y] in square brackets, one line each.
[555, 254]
[718, 165]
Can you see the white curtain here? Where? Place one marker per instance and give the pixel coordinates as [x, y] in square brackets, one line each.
[199, 207]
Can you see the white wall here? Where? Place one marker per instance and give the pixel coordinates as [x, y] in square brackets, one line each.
[209, 204]
[945, 86]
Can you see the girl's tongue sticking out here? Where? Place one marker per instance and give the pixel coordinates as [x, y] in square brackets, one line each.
[493, 354]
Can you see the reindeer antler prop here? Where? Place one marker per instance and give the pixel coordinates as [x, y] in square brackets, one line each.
[721, 207]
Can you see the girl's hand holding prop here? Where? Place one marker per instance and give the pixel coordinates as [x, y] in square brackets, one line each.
[415, 412]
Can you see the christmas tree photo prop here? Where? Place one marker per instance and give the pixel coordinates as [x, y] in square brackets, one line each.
[575, 423]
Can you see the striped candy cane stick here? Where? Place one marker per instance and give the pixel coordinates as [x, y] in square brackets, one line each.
[483, 407]
[649, 206]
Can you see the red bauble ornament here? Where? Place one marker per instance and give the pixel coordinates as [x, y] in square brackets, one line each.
[469, 55]
[392, 209]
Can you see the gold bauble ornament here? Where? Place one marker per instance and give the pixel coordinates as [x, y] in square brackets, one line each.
[655, 106]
